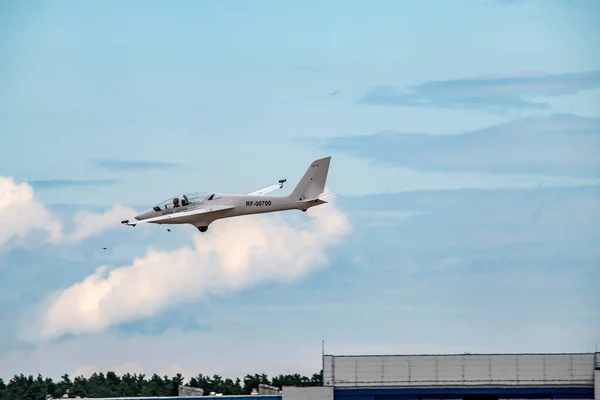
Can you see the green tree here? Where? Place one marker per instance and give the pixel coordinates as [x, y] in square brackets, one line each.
[153, 387]
[64, 386]
[2, 388]
[177, 381]
[109, 384]
[252, 382]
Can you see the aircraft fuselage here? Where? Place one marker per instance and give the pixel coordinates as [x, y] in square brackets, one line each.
[241, 205]
[201, 211]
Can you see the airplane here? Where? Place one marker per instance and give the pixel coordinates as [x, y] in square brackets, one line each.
[201, 210]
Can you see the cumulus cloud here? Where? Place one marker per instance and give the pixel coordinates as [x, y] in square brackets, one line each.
[21, 214]
[87, 223]
[234, 254]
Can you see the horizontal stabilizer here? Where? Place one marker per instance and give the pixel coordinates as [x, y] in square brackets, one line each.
[324, 196]
[321, 198]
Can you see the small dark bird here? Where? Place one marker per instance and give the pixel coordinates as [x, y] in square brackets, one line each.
[168, 230]
[104, 248]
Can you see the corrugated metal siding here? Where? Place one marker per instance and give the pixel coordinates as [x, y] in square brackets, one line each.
[308, 393]
[452, 370]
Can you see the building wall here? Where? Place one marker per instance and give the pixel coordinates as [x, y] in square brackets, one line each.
[597, 384]
[569, 370]
[307, 393]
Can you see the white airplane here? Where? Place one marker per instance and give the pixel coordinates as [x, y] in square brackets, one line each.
[201, 210]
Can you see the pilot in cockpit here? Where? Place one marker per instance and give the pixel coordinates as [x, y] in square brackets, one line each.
[176, 202]
[185, 201]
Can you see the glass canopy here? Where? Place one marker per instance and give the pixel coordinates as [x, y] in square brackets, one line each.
[186, 199]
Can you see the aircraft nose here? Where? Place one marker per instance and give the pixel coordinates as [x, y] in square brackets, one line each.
[144, 215]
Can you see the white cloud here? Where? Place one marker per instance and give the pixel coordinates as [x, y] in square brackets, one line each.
[233, 254]
[21, 214]
[88, 224]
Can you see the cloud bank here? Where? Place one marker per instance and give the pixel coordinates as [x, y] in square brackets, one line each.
[21, 214]
[69, 183]
[133, 165]
[501, 93]
[234, 254]
[564, 145]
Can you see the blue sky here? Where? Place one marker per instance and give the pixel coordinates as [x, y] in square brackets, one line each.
[465, 138]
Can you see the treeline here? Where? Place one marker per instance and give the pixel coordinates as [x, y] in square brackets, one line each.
[22, 387]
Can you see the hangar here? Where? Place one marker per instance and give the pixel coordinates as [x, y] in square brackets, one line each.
[446, 377]
[459, 376]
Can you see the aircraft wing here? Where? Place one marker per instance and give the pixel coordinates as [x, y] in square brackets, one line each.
[266, 190]
[196, 211]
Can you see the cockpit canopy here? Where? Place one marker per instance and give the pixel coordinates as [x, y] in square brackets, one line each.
[186, 199]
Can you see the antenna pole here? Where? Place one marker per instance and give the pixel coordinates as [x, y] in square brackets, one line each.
[322, 361]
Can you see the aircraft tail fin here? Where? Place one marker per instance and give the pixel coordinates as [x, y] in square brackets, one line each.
[312, 184]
